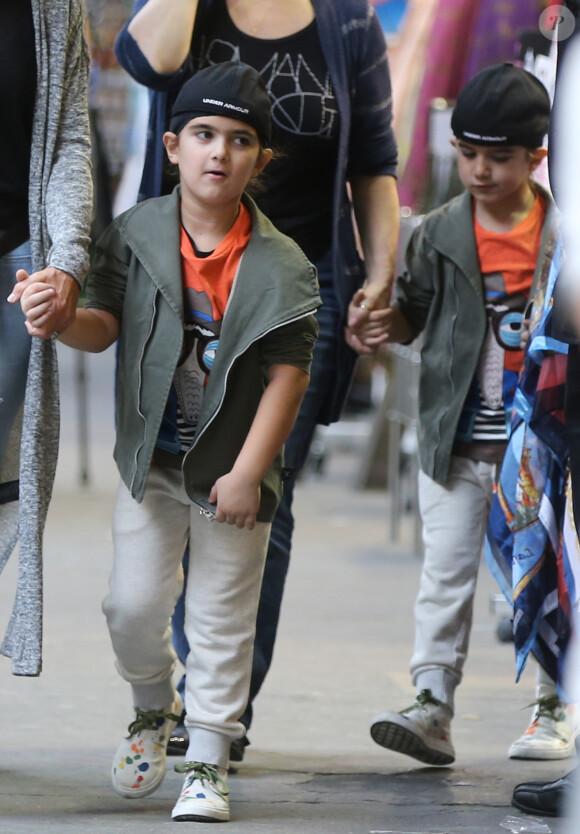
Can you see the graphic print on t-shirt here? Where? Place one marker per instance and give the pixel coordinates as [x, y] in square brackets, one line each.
[207, 281]
[200, 342]
[495, 374]
[507, 261]
[303, 100]
[298, 184]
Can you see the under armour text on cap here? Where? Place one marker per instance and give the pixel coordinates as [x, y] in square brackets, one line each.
[230, 89]
[502, 105]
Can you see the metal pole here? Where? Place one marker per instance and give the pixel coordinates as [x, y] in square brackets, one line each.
[83, 417]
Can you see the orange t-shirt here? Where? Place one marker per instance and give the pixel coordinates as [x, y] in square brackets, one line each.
[212, 275]
[508, 261]
[207, 284]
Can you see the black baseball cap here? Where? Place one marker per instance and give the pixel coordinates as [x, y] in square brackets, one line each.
[231, 89]
[502, 105]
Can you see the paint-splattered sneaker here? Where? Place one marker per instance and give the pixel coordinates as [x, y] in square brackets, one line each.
[139, 764]
[551, 734]
[204, 795]
[422, 731]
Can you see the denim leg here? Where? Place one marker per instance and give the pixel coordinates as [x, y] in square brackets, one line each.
[14, 343]
[180, 643]
[296, 451]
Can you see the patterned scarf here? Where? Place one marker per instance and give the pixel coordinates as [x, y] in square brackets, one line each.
[531, 546]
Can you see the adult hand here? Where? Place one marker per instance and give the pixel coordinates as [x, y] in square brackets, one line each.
[365, 329]
[63, 307]
[383, 326]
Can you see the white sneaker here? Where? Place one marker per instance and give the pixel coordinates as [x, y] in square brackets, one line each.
[422, 731]
[204, 795]
[551, 734]
[139, 763]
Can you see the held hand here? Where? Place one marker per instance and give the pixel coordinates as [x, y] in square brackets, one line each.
[37, 303]
[382, 327]
[237, 499]
[365, 329]
[61, 312]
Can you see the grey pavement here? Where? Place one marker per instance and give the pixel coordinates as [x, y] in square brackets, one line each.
[342, 655]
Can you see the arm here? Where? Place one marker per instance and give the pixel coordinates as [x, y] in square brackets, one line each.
[237, 494]
[376, 207]
[93, 331]
[405, 318]
[372, 166]
[69, 192]
[163, 30]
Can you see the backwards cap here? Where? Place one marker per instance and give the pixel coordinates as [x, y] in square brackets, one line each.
[230, 89]
[502, 105]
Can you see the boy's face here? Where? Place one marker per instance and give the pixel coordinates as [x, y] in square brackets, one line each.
[496, 173]
[216, 157]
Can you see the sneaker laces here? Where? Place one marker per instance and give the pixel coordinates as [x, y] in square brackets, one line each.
[149, 719]
[205, 773]
[424, 697]
[550, 706]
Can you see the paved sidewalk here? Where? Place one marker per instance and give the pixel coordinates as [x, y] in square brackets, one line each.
[345, 641]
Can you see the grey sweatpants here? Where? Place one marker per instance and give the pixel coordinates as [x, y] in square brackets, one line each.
[222, 594]
[454, 516]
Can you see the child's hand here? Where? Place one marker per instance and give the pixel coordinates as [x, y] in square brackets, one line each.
[366, 332]
[58, 315]
[525, 333]
[365, 325]
[397, 328]
[37, 302]
[237, 500]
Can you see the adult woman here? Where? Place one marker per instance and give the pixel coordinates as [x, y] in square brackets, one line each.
[325, 68]
[45, 214]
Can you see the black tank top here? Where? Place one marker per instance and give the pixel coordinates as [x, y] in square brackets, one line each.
[298, 184]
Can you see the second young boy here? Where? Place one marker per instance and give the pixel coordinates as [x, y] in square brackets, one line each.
[470, 268]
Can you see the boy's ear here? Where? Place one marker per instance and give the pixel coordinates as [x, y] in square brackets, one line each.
[265, 156]
[536, 156]
[171, 142]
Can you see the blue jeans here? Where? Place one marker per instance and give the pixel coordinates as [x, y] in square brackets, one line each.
[14, 343]
[295, 453]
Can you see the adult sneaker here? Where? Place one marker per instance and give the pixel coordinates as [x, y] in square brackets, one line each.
[204, 795]
[139, 763]
[422, 731]
[551, 734]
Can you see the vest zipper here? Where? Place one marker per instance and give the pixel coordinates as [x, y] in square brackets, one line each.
[145, 343]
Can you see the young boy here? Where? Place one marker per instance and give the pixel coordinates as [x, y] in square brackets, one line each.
[470, 269]
[215, 310]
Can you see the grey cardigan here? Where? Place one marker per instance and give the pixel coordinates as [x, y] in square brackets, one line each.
[60, 209]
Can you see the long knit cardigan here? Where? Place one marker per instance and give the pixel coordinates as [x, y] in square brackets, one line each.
[60, 208]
